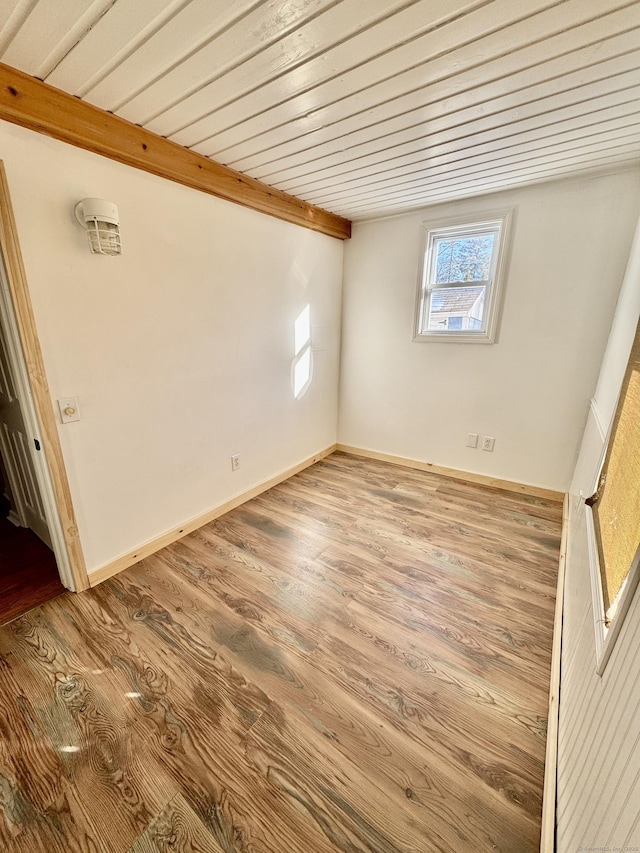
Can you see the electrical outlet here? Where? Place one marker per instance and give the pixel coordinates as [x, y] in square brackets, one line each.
[235, 462]
[488, 443]
[472, 439]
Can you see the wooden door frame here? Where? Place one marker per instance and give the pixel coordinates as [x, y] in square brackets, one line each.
[56, 492]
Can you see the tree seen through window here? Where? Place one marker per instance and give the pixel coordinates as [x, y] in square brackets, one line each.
[464, 258]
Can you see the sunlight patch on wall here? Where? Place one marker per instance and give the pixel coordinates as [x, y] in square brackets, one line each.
[302, 362]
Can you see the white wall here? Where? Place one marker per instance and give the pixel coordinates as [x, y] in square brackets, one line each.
[180, 350]
[599, 738]
[531, 389]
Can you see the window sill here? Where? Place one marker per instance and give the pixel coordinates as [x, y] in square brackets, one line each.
[454, 337]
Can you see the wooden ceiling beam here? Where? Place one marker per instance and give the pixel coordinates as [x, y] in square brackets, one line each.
[29, 102]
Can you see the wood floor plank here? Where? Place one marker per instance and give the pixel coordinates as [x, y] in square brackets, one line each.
[317, 701]
[177, 829]
[357, 660]
[344, 631]
[28, 571]
[359, 722]
[187, 725]
[294, 747]
[86, 721]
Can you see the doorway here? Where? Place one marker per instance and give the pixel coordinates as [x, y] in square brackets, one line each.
[29, 573]
[40, 552]
[28, 570]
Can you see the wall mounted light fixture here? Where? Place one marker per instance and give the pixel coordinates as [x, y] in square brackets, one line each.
[101, 221]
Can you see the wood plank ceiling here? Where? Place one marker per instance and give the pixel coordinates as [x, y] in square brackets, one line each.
[363, 107]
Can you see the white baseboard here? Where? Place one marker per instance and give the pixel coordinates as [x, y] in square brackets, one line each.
[482, 479]
[123, 562]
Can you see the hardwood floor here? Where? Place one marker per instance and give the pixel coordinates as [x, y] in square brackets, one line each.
[357, 660]
[28, 572]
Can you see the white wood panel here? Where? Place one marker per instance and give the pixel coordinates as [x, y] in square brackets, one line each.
[245, 56]
[13, 14]
[604, 108]
[512, 109]
[413, 196]
[599, 756]
[423, 105]
[460, 160]
[502, 80]
[453, 153]
[16, 452]
[456, 151]
[599, 746]
[577, 143]
[492, 184]
[365, 105]
[591, 768]
[7, 388]
[198, 22]
[28, 480]
[361, 32]
[379, 82]
[113, 38]
[633, 823]
[491, 126]
[471, 162]
[50, 30]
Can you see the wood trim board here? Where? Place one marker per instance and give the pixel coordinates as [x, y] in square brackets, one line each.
[120, 563]
[25, 320]
[481, 479]
[29, 102]
[547, 835]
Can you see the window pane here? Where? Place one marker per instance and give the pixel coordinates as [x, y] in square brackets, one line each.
[463, 258]
[456, 308]
[616, 511]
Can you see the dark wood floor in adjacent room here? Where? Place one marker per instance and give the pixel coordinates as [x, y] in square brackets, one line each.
[28, 572]
[357, 660]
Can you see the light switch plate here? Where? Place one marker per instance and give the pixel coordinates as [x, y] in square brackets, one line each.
[66, 404]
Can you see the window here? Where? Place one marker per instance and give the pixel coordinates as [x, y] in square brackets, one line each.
[462, 268]
[613, 515]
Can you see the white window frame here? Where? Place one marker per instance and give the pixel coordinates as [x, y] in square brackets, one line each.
[606, 634]
[498, 222]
